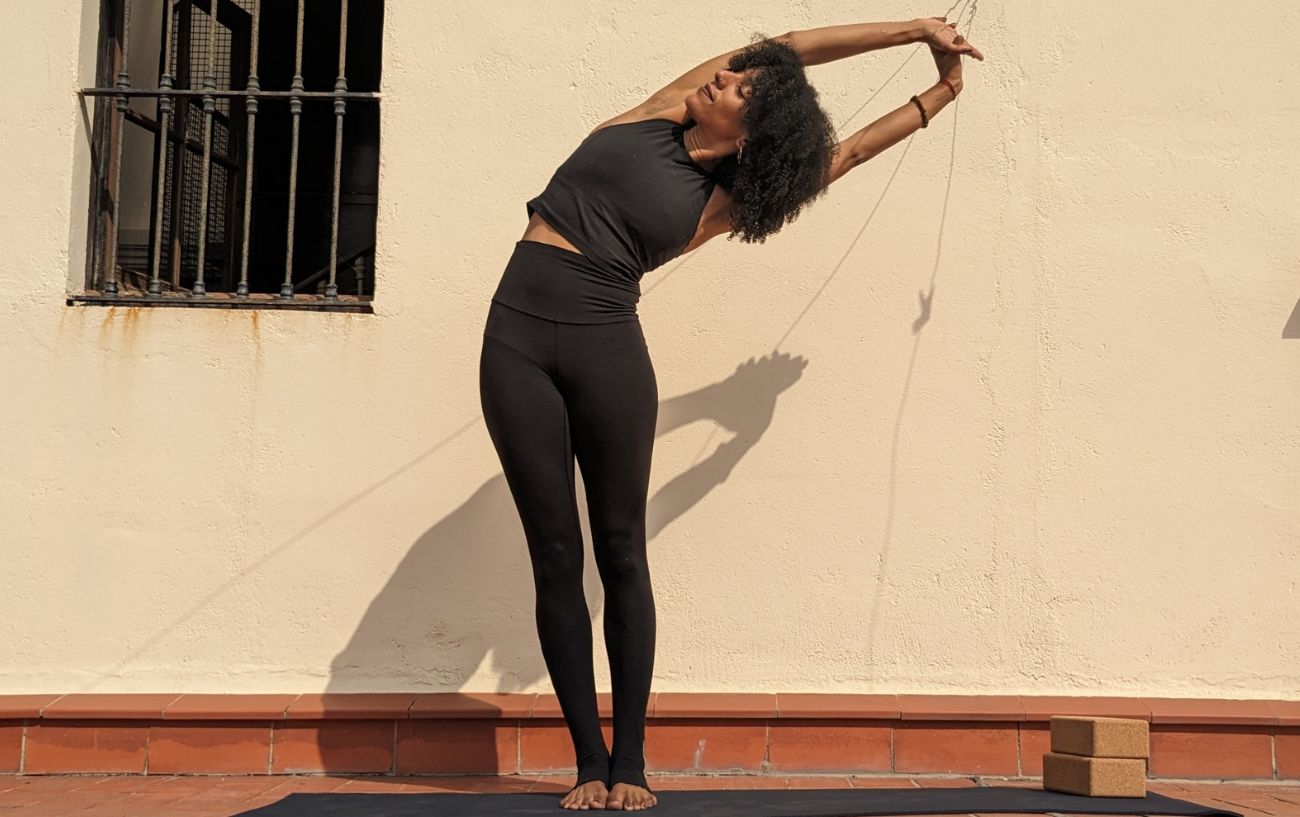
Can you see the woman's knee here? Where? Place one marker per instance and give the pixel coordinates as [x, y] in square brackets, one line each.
[557, 563]
[621, 556]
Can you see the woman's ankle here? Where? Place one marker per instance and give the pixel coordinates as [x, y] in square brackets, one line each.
[592, 769]
[627, 773]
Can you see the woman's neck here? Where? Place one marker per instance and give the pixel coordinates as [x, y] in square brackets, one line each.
[699, 148]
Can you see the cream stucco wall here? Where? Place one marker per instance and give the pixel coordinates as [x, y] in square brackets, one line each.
[1076, 472]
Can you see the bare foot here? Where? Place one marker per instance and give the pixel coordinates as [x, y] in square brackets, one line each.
[629, 797]
[589, 795]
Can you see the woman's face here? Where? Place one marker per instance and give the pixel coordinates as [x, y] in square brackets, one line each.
[718, 105]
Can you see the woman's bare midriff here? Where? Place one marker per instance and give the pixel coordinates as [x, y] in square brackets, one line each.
[538, 230]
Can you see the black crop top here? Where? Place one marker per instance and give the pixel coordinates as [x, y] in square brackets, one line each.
[629, 197]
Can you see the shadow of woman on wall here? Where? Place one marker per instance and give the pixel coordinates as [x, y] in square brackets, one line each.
[461, 595]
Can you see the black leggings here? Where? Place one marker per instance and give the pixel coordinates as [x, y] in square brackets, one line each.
[551, 391]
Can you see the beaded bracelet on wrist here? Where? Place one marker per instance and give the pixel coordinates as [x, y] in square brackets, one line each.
[925, 119]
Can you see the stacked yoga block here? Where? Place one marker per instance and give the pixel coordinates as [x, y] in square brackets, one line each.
[1097, 757]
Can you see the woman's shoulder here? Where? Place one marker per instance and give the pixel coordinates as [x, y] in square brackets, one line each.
[675, 113]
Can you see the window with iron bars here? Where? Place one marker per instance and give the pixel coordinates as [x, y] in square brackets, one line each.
[236, 154]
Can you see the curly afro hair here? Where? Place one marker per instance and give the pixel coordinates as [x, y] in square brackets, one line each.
[789, 149]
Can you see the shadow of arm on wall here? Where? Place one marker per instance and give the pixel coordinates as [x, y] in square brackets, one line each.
[743, 403]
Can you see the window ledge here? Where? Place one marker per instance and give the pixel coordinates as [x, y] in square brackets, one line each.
[226, 300]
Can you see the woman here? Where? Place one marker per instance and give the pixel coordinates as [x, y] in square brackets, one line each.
[737, 144]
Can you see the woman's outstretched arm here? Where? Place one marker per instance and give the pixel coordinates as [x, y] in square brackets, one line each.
[818, 45]
[901, 122]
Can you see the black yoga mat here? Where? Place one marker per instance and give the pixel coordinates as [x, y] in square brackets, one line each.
[740, 803]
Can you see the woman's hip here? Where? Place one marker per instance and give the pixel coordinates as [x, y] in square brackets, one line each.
[549, 282]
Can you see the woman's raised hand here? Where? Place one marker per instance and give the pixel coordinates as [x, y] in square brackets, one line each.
[949, 65]
[942, 37]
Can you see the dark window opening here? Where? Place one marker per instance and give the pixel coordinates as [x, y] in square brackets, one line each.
[181, 86]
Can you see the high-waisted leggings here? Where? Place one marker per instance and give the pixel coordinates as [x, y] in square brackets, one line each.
[552, 391]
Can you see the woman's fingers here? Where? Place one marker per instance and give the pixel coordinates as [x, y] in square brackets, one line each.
[940, 40]
[961, 46]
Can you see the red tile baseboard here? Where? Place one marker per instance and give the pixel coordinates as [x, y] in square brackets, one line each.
[503, 733]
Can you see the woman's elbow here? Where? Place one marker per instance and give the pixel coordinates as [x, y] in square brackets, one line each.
[792, 39]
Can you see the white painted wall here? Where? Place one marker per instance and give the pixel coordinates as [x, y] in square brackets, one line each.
[1079, 475]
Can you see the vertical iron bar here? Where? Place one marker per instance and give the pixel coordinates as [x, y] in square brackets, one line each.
[164, 149]
[123, 83]
[209, 111]
[254, 85]
[295, 108]
[185, 74]
[340, 107]
[104, 133]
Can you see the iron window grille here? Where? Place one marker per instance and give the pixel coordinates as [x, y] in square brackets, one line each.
[244, 176]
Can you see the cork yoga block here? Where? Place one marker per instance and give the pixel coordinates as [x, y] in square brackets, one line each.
[1100, 737]
[1095, 776]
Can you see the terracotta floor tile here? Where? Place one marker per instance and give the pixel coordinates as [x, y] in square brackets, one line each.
[717, 745]
[1288, 712]
[73, 801]
[473, 705]
[24, 706]
[545, 745]
[189, 747]
[114, 785]
[547, 783]
[1042, 707]
[195, 783]
[313, 783]
[818, 782]
[955, 748]
[1286, 744]
[378, 784]
[86, 746]
[119, 705]
[881, 782]
[366, 706]
[1227, 752]
[714, 705]
[225, 788]
[457, 746]
[684, 782]
[498, 784]
[727, 782]
[1035, 739]
[943, 782]
[203, 706]
[61, 783]
[136, 803]
[332, 746]
[805, 705]
[547, 705]
[1287, 795]
[984, 708]
[828, 745]
[1211, 711]
[11, 747]
[1262, 801]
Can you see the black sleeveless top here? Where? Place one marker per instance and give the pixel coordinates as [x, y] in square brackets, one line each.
[629, 198]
